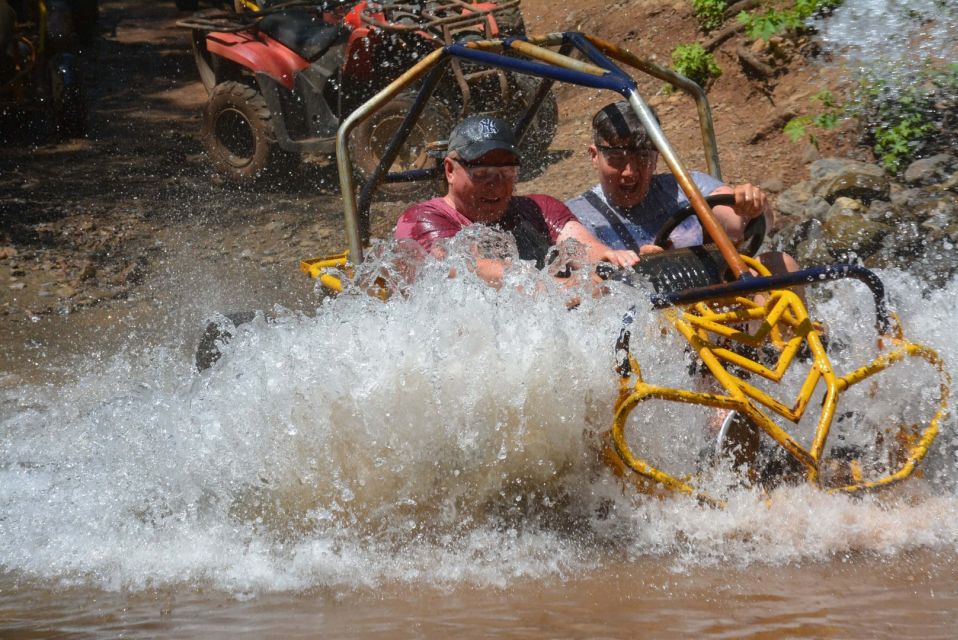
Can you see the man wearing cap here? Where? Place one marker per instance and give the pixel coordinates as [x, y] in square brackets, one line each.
[480, 168]
[630, 203]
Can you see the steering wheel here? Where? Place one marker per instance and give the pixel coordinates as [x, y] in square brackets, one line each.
[754, 230]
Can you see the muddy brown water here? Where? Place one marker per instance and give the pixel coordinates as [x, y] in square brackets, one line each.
[850, 597]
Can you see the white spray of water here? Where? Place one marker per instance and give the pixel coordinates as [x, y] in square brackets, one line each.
[446, 436]
[892, 39]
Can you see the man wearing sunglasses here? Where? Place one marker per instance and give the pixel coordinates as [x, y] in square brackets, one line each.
[480, 168]
[631, 202]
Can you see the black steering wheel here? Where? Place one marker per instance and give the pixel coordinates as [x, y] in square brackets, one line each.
[754, 230]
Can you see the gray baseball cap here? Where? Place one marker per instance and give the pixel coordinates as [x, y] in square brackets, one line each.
[476, 136]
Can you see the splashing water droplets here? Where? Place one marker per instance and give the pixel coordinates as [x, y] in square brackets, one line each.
[452, 423]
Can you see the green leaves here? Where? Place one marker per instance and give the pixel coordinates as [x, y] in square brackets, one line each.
[804, 126]
[900, 125]
[710, 13]
[762, 26]
[695, 63]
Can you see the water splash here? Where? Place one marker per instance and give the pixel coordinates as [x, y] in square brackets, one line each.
[444, 436]
[892, 39]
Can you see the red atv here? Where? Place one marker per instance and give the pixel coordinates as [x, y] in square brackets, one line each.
[282, 78]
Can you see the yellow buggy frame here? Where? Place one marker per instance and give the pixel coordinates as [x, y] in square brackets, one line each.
[725, 305]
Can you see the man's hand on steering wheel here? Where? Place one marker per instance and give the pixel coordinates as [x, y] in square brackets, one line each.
[619, 257]
[750, 201]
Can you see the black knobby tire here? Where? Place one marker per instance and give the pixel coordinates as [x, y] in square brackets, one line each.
[369, 141]
[239, 137]
[216, 335]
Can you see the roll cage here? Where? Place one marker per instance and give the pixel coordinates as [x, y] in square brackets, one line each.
[717, 316]
[551, 58]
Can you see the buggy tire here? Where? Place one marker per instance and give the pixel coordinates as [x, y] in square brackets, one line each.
[216, 334]
[369, 141]
[239, 138]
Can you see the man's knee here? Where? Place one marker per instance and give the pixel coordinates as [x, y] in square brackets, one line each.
[778, 262]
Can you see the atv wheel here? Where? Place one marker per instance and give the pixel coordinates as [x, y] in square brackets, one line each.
[239, 138]
[369, 142]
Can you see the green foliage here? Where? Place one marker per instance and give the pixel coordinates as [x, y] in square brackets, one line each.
[900, 124]
[805, 126]
[710, 12]
[695, 63]
[762, 26]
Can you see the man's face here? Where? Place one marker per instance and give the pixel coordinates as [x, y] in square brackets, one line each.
[625, 172]
[480, 190]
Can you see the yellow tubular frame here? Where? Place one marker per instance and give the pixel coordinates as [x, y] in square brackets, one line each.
[782, 313]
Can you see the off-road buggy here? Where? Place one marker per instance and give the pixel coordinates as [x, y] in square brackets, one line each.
[756, 355]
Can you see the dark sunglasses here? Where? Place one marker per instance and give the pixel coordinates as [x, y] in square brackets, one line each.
[485, 172]
[623, 153]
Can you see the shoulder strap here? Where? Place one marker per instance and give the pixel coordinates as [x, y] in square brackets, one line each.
[606, 211]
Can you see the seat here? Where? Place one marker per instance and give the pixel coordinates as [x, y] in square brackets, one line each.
[303, 30]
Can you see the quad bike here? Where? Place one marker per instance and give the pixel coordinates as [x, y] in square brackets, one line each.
[39, 73]
[282, 79]
[748, 331]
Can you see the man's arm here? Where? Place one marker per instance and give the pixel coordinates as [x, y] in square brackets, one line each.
[750, 202]
[596, 250]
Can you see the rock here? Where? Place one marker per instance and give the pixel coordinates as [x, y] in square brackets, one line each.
[7, 252]
[843, 205]
[826, 167]
[810, 153]
[848, 233]
[772, 185]
[813, 252]
[17, 286]
[816, 208]
[937, 211]
[933, 170]
[791, 201]
[132, 274]
[852, 179]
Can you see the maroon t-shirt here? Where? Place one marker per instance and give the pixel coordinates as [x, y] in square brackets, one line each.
[535, 221]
